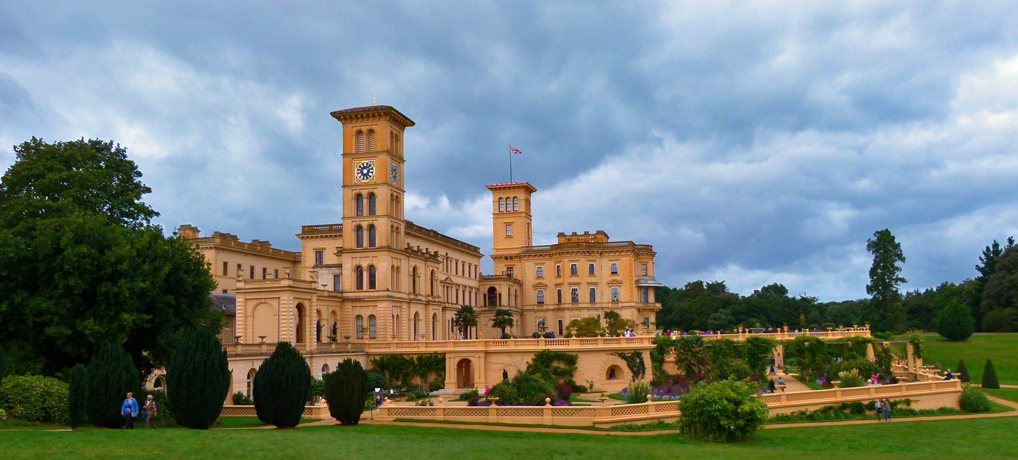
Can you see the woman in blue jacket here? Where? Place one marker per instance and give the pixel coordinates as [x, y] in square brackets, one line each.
[129, 410]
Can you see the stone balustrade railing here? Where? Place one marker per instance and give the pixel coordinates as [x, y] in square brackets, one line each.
[604, 415]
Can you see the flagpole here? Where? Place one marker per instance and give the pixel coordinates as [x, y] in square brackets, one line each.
[510, 163]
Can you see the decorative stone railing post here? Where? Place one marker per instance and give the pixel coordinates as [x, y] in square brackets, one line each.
[651, 408]
[440, 409]
[546, 419]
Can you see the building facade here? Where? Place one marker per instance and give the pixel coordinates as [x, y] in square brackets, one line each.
[376, 276]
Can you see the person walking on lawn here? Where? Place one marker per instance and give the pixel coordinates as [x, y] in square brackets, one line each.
[129, 410]
[150, 412]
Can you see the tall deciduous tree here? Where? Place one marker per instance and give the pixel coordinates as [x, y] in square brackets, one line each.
[82, 267]
[503, 320]
[198, 379]
[885, 278]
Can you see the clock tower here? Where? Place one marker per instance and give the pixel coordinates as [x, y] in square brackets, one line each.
[372, 177]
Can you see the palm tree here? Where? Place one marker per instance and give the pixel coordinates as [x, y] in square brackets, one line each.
[465, 318]
[691, 357]
[503, 319]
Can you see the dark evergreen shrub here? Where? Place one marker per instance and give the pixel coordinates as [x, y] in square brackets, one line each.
[954, 322]
[3, 364]
[198, 379]
[77, 397]
[241, 399]
[963, 372]
[281, 387]
[110, 375]
[346, 389]
[973, 400]
[990, 376]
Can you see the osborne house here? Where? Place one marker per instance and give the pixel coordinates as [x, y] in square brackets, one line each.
[372, 282]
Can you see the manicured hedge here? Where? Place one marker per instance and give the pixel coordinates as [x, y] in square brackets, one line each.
[198, 379]
[345, 392]
[34, 398]
[281, 387]
[726, 411]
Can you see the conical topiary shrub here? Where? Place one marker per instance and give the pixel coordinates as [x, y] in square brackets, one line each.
[963, 372]
[198, 379]
[990, 376]
[3, 364]
[77, 396]
[281, 387]
[345, 391]
[111, 375]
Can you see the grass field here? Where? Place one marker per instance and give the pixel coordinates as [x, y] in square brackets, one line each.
[986, 438]
[1001, 348]
[1010, 394]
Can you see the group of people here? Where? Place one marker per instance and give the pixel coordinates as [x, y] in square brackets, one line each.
[129, 410]
[883, 407]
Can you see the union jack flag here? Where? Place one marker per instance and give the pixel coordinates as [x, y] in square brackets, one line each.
[514, 150]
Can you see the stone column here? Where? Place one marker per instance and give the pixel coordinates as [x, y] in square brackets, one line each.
[869, 352]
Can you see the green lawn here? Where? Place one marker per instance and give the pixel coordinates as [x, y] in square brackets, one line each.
[1010, 394]
[1001, 348]
[984, 438]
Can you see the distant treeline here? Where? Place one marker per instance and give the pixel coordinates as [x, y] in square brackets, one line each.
[992, 298]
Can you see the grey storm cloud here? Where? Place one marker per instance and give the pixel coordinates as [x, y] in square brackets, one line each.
[751, 142]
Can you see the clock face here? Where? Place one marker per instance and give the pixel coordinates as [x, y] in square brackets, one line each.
[364, 171]
[394, 173]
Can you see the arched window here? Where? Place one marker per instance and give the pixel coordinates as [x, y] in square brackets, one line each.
[501, 205]
[413, 279]
[360, 141]
[359, 321]
[371, 236]
[250, 381]
[359, 204]
[325, 369]
[360, 278]
[432, 283]
[359, 233]
[372, 327]
[516, 204]
[371, 140]
[434, 326]
[372, 279]
[371, 204]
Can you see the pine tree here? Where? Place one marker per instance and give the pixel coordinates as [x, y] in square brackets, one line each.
[282, 386]
[77, 397]
[885, 278]
[110, 376]
[963, 372]
[990, 376]
[198, 379]
[346, 389]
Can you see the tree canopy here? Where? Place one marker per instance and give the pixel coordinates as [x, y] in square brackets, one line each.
[81, 266]
[885, 278]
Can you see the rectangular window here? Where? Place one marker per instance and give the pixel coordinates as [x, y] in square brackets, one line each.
[226, 291]
[252, 272]
[337, 281]
[574, 295]
[240, 270]
[560, 328]
[540, 271]
[457, 265]
[593, 295]
[615, 268]
[558, 270]
[590, 269]
[573, 270]
[559, 292]
[509, 271]
[319, 257]
[540, 296]
[225, 269]
[615, 293]
[275, 273]
[508, 229]
[645, 295]
[265, 273]
[646, 321]
[643, 269]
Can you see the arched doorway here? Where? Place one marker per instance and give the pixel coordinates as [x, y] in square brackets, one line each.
[300, 323]
[464, 374]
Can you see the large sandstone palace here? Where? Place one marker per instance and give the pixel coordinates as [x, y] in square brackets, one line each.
[376, 277]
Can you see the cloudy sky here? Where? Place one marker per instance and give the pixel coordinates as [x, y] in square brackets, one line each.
[750, 142]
